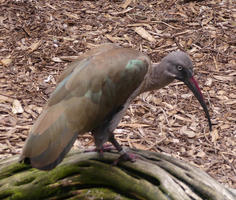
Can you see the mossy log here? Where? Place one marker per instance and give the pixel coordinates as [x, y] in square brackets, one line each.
[87, 176]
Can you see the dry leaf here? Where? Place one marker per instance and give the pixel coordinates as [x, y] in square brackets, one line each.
[175, 140]
[157, 101]
[5, 99]
[168, 105]
[191, 152]
[34, 46]
[122, 12]
[231, 119]
[224, 78]
[69, 58]
[2, 19]
[57, 59]
[230, 102]
[224, 126]
[214, 136]
[206, 21]
[144, 34]
[201, 154]
[126, 3]
[36, 108]
[74, 16]
[186, 96]
[182, 118]
[232, 95]
[50, 78]
[16, 107]
[182, 150]
[142, 24]
[6, 61]
[111, 38]
[209, 82]
[71, 38]
[139, 146]
[188, 133]
[193, 126]
[134, 125]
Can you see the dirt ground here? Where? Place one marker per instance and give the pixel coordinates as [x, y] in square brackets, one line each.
[39, 38]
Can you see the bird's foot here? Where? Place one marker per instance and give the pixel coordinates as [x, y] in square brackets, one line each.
[107, 148]
[126, 157]
[100, 151]
[104, 148]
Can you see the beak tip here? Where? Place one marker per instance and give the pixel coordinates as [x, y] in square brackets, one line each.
[210, 128]
[209, 122]
[193, 85]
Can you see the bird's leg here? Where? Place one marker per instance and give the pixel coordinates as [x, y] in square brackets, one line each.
[104, 148]
[108, 147]
[100, 137]
[125, 156]
[99, 150]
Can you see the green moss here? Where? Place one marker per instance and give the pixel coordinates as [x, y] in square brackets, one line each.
[13, 169]
[33, 184]
[5, 194]
[24, 181]
[62, 172]
[97, 194]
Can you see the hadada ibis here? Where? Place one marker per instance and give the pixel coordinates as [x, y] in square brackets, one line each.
[92, 96]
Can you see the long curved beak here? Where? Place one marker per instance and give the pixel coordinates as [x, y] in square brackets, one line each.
[193, 86]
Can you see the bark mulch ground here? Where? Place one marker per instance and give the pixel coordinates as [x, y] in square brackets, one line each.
[39, 38]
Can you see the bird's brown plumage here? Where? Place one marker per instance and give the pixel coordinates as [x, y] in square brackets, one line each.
[89, 91]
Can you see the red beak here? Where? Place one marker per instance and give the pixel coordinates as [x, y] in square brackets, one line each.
[193, 86]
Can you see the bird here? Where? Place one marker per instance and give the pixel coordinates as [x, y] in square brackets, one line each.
[93, 94]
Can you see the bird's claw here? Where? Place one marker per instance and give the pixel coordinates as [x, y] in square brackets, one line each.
[126, 157]
[104, 148]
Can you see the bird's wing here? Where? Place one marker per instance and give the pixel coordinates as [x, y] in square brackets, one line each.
[95, 51]
[97, 86]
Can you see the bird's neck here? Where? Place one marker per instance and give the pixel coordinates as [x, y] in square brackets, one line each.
[156, 78]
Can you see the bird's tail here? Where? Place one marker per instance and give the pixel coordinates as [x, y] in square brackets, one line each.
[49, 141]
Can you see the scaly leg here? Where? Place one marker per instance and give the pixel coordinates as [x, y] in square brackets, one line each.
[104, 148]
[125, 156]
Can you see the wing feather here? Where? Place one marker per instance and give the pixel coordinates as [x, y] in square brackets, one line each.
[96, 86]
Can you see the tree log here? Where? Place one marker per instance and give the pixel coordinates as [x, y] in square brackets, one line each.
[87, 176]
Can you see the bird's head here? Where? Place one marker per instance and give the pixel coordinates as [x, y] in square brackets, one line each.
[179, 66]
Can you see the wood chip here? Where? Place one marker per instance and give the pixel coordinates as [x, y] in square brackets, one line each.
[224, 78]
[6, 61]
[126, 3]
[34, 46]
[16, 107]
[188, 133]
[144, 34]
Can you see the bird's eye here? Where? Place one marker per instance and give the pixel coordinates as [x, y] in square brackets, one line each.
[180, 68]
